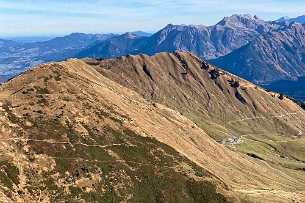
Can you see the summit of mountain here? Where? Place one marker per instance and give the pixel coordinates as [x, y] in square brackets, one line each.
[142, 33]
[246, 21]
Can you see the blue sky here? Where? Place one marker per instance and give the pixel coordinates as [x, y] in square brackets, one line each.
[58, 17]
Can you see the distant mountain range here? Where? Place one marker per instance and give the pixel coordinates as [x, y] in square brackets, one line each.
[16, 57]
[142, 34]
[300, 19]
[260, 51]
[275, 55]
[114, 47]
[205, 41]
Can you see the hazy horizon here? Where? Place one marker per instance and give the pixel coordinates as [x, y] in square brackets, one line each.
[57, 18]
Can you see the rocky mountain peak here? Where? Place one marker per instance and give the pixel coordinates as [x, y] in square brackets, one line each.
[130, 35]
[181, 27]
[238, 20]
[248, 22]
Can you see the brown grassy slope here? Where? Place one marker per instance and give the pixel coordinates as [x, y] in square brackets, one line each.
[72, 92]
[70, 134]
[179, 81]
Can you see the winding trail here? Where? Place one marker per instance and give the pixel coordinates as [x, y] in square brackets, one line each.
[263, 117]
[77, 143]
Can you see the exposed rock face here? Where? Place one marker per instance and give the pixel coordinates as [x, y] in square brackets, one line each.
[273, 56]
[124, 130]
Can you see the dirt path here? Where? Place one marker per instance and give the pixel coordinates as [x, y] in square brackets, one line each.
[77, 143]
[263, 117]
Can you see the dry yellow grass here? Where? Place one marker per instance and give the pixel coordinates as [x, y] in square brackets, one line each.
[245, 178]
[170, 127]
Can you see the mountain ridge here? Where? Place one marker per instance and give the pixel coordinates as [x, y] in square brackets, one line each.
[78, 99]
[205, 41]
[280, 54]
[299, 19]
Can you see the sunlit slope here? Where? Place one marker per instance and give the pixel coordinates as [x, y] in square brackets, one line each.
[70, 133]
